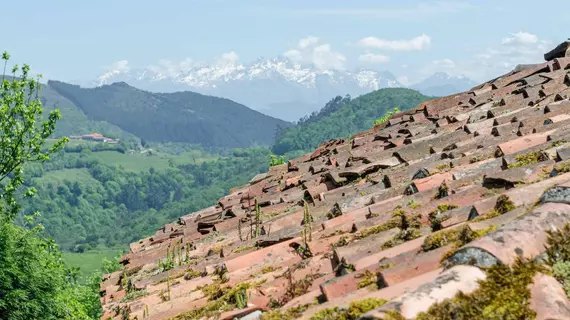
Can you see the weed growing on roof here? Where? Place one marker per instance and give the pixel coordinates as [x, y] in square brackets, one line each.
[370, 278]
[217, 249]
[504, 204]
[174, 275]
[558, 143]
[413, 204]
[528, 159]
[354, 311]
[409, 226]
[456, 236]
[436, 217]
[289, 314]
[343, 241]
[504, 294]
[270, 268]
[442, 191]
[167, 264]
[562, 167]
[243, 248]
[558, 255]
[275, 161]
[386, 116]
[307, 224]
[444, 167]
[335, 233]
[476, 159]
[191, 274]
[334, 212]
[221, 299]
[133, 295]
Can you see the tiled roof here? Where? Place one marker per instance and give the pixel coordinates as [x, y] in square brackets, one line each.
[383, 215]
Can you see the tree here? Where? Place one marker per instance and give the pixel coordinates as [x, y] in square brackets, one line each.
[34, 282]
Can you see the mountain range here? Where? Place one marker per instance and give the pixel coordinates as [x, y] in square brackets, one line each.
[278, 86]
[120, 110]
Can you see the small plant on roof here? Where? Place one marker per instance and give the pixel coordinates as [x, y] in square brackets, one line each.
[409, 229]
[334, 212]
[442, 191]
[257, 220]
[386, 116]
[166, 264]
[504, 294]
[275, 161]
[437, 217]
[528, 159]
[558, 255]
[504, 204]
[354, 311]
[307, 222]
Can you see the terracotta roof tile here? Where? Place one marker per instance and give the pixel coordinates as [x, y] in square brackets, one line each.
[451, 163]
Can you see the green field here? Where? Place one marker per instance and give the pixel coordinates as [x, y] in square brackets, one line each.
[57, 177]
[88, 262]
[137, 162]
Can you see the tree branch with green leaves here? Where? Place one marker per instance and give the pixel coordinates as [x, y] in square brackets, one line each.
[23, 131]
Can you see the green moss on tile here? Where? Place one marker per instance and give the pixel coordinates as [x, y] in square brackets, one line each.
[504, 204]
[528, 159]
[504, 294]
[353, 312]
[436, 217]
[289, 314]
[458, 237]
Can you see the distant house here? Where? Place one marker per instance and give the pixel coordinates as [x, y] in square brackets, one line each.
[97, 137]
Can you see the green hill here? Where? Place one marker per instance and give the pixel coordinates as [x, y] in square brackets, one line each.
[74, 121]
[175, 117]
[342, 117]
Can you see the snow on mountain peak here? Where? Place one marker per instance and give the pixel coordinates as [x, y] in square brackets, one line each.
[227, 68]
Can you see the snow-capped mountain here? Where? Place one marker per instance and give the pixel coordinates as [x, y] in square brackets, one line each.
[277, 87]
[443, 84]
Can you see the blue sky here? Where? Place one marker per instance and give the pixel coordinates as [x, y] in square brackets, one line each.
[72, 40]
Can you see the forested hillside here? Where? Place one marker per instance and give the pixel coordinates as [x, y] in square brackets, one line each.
[176, 117]
[342, 117]
[93, 198]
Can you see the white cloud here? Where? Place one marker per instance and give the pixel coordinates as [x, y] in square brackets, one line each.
[415, 44]
[121, 65]
[228, 58]
[444, 63]
[308, 41]
[116, 68]
[169, 68]
[404, 80]
[310, 50]
[516, 48]
[520, 38]
[373, 58]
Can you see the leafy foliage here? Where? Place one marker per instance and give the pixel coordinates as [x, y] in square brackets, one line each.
[34, 282]
[342, 117]
[175, 117]
[275, 161]
[558, 253]
[386, 116]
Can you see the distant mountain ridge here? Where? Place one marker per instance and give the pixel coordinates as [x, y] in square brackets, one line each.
[277, 87]
[442, 84]
[172, 117]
